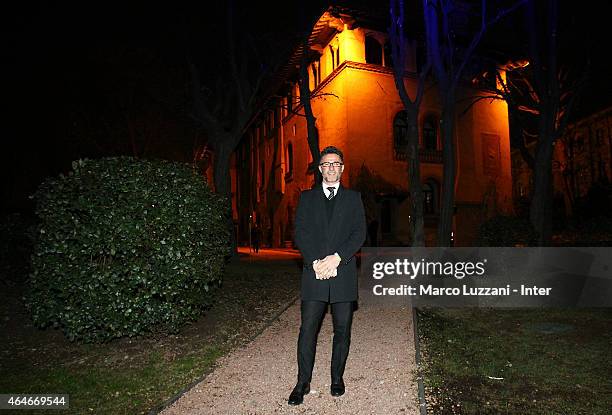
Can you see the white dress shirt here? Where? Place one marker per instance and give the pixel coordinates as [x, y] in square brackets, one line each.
[336, 186]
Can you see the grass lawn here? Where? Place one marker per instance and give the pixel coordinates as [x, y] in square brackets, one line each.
[134, 376]
[524, 361]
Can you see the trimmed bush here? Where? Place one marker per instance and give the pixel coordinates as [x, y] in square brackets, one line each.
[507, 231]
[125, 247]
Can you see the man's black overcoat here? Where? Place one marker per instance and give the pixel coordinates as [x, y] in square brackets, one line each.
[317, 236]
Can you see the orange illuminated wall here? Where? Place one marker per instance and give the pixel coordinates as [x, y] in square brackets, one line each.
[355, 112]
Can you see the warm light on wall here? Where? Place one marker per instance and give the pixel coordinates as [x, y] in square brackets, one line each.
[511, 65]
[351, 46]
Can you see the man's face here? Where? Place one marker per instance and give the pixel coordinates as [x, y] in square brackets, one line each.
[331, 174]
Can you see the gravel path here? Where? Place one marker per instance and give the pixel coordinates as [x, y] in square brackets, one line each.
[258, 378]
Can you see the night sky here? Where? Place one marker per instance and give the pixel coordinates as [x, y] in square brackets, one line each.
[80, 72]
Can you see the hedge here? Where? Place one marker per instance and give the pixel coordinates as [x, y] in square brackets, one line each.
[125, 247]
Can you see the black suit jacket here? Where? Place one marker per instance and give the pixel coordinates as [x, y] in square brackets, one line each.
[316, 237]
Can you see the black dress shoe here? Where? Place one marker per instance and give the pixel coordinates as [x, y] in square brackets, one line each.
[297, 395]
[337, 388]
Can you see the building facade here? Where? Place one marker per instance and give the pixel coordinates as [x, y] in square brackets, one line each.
[358, 109]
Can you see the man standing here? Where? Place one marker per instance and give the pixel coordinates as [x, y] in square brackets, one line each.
[329, 230]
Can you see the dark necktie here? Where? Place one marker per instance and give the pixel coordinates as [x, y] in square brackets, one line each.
[331, 193]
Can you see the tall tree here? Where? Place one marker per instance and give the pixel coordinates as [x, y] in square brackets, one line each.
[449, 63]
[224, 105]
[552, 104]
[305, 100]
[541, 95]
[399, 49]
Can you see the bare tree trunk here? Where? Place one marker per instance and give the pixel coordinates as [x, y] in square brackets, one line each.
[449, 69]
[569, 171]
[447, 205]
[273, 195]
[414, 174]
[547, 84]
[411, 108]
[311, 120]
[541, 204]
[221, 172]
[441, 59]
[223, 184]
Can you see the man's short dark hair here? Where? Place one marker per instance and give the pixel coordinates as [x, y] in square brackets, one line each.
[332, 150]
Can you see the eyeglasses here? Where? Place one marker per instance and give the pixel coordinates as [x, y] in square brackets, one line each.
[328, 164]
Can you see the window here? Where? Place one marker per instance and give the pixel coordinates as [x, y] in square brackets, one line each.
[289, 160]
[289, 102]
[400, 135]
[388, 55]
[316, 73]
[338, 56]
[430, 197]
[430, 134]
[373, 51]
[332, 58]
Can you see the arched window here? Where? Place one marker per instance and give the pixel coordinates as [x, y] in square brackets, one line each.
[373, 51]
[428, 206]
[430, 134]
[289, 102]
[289, 160]
[430, 197]
[332, 57]
[400, 135]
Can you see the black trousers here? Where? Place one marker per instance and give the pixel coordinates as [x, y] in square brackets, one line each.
[312, 316]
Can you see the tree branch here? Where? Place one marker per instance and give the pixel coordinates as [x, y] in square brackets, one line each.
[483, 28]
